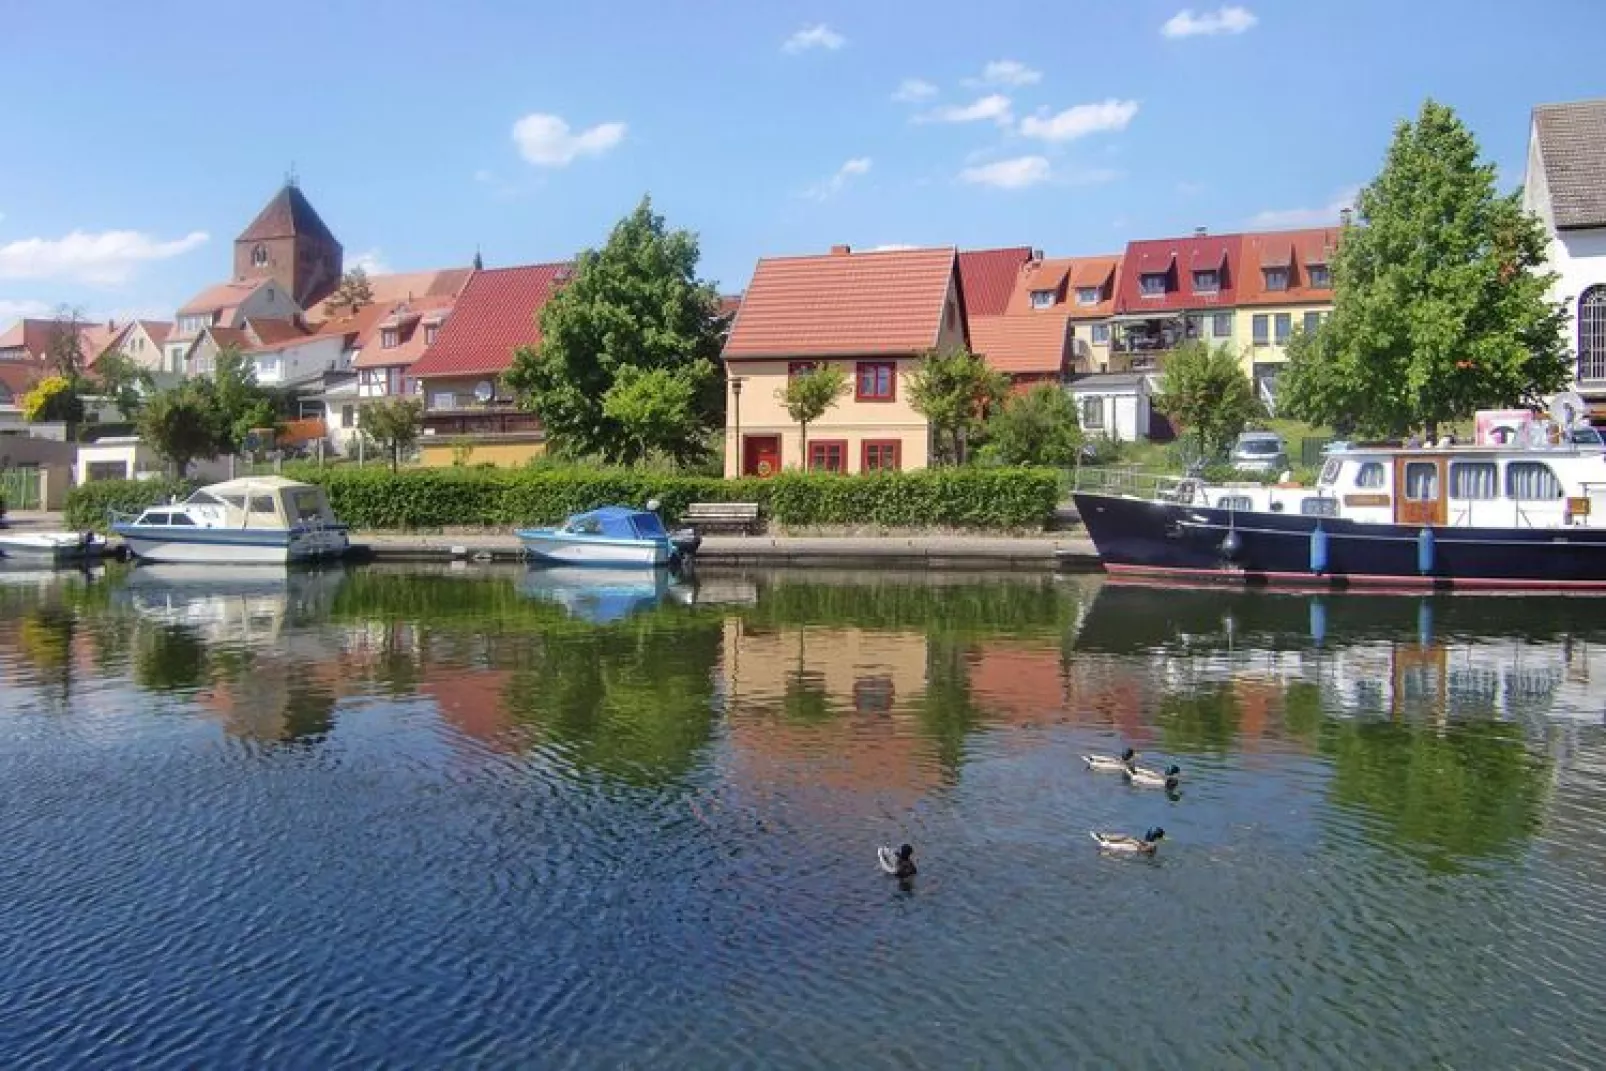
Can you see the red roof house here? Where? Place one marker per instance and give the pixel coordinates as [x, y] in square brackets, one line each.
[989, 275]
[498, 311]
[1180, 274]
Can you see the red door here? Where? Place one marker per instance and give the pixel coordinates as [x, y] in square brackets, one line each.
[761, 455]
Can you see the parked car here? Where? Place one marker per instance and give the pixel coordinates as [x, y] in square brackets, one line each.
[1260, 451]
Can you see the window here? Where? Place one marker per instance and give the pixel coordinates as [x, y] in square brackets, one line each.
[1206, 282]
[880, 455]
[1422, 481]
[1093, 413]
[1313, 320]
[443, 400]
[1238, 502]
[1101, 334]
[1316, 506]
[1320, 277]
[1592, 334]
[269, 366]
[263, 504]
[1152, 284]
[259, 256]
[108, 470]
[1042, 299]
[828, 456]
[1285, 327]
[430, 331]
[1196, 325]
[1221, 325]
[1370, 475]
[182, 519]
[1276, 278]
[1473, 480]
[348, 416]
[1531, 481]
[873, 695]
[156, 518]
[799, 368]
[1087, 295]
[1262, 328]
[877, 381]
[389, 338]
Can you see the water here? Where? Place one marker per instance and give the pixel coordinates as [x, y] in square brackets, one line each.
[490, 818]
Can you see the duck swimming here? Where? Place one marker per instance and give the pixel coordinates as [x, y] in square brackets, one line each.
[1110, 763]
[1120, 842]
[1142, 777]
[900, 865]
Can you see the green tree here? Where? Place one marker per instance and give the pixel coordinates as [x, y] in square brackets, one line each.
[808, 395]
[353, 292]
[635, 303]
[240, 406]
[1206, 391]
[51, 399]
[394, 423]
[956, 392]
[124, 382]
[1440, 309]
[1036, 428]
[181, 424]
[657, 413]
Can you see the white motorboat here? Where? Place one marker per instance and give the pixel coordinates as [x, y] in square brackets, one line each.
[258, 520]
[52, 547]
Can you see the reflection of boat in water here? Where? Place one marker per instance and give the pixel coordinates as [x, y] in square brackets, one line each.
[242, 604]
[62, 548]
[602, 596]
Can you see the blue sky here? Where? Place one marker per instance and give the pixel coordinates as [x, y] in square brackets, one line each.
[144, 137]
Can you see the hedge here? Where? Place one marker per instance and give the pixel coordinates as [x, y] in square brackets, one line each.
[89, 505]
[375, 498]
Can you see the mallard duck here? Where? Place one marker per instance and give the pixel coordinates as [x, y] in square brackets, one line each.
[901, 864]
[1120, 842]
[1110, 763]
[1142, 777]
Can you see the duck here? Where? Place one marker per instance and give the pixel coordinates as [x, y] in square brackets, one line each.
[1121, 842]
[900, 864]
[1110, 763]
[1142, 777]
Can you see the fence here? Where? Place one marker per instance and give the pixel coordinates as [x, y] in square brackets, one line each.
[1310, 450]
[19, 488]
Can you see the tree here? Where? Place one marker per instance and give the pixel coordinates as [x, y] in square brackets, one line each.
[65, 351]
[240, 406]
[1037, 428]
[353, 292]
[956, 392]
[635, 303]
[53, 398]
[1207, 393]
[181, 424]
[808, 395]
[394, 424]
[123, 381]
[1439, 307]
[657, 413]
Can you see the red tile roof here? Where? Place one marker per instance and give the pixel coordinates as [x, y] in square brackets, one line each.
[988, 277]
[34, 337]
[411, 321]
[17, 378]
[270, 332]
[397, 287]
[1178, 259]
[1023, 344]
[844, 303]
[222, 297]
[1294, 250]
[497, 312]
[289, 214]
[223, 337]
[158, 330]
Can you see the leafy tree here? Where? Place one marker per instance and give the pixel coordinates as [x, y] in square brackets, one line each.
[635, 303]
[53, 398]
[657, 412]
[240, 406]
[1037, 428]
[1440, 309]
[956, 392]
[807, 397]
[353, 292]
[181, 424]
[1207, 392]
[123, 381]
[394, 424]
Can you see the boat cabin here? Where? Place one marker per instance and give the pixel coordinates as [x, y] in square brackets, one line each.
[616, 522]
[254, 502]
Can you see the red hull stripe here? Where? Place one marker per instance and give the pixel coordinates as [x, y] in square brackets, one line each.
[1371, 581]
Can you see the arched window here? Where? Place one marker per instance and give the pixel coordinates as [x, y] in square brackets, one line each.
[1592, 334]
[259, 256]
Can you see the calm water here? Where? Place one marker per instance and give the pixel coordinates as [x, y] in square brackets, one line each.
[493, 818]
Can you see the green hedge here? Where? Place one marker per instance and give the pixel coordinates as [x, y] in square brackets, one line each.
[89, 505]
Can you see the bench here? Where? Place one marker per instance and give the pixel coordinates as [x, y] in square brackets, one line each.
[742, 516]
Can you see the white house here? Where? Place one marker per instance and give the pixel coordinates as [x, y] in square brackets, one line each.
[1113, 405]
[1566, 188]
[292, 362]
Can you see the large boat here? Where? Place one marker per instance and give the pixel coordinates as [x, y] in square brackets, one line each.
[614, 536]
[259, 520]
[1495, 515]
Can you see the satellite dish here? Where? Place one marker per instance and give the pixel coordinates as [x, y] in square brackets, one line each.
[1568, 409]
[483, 391]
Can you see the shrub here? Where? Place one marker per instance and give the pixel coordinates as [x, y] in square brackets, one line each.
[90, 505]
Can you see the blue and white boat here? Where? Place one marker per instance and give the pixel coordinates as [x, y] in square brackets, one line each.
[603, 596]
[259, 520]
[613, 536]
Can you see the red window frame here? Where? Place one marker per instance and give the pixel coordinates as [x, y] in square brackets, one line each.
[879, 447]
[873, 369]
[819, 449]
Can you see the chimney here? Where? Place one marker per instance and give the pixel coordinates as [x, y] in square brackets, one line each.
[1199, 232]
[841, 250]
[1345, 217]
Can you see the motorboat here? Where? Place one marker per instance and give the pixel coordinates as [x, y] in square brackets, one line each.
[613, 536]
[258, 520]
[55, 548]
[602, 596]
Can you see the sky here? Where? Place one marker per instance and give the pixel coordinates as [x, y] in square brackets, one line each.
[144, 137]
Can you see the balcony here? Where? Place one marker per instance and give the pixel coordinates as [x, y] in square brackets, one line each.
[465, 416]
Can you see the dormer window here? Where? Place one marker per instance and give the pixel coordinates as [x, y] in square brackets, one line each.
[430, 331]
[1152, 284]
[259, 256]
[1042, 299]
[1087, 295]
[1320, 277]
[389, 338]
[1207, 281]
[1276, 278]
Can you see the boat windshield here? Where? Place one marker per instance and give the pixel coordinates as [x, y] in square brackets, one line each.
[648, 526]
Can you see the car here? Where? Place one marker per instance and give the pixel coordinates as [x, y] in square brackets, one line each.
[1584, 435]
[1260, 451]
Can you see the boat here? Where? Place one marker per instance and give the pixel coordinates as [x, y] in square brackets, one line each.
[258, 520]
[612, 536]
[51, 547]
[603, 596]
[1524, 510]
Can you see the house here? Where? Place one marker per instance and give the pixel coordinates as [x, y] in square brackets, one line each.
[31, 340]
[1029, 349]
[460, 374]
[387, 350]
[226, 306]
[1286, 285]
[1078, 289]
[876, 314]
[287, 357]
[1114, 405]
[988, 277]
[145, 344]
[393, 288]
[1171, 291]
[17, 377]
[1566, 189]
[254, 333]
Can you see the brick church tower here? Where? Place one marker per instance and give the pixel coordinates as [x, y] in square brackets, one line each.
[288, 243]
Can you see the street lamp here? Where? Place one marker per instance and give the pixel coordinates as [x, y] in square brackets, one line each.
[736, 409]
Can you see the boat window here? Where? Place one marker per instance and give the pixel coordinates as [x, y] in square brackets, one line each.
[1370, 475]
[1235, 502]
[263, 504]
[203, 498]
[1330, 471]
[1531, 481]
[156, 518]
[1422, 481]
[1474, 480]
[305, 505]
[182, 519]
[648, 526]
[237, 501]
[1319, 507]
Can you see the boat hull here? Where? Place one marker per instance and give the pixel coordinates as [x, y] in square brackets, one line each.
[550, 548]
[51, 548]
[233, 546]
[1142, 537]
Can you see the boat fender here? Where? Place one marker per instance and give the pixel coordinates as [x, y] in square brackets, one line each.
[1318, 550]
[1231, 544]
[1424, 551]
[1318, 621]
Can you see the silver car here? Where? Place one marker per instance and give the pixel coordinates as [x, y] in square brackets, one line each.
[1260, 451]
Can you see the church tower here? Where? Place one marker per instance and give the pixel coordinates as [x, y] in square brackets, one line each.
[288, 243]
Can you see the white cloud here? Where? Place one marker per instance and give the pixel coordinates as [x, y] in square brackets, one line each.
[1326, 215]
[995, 106]
[25, 309]
[1015, 174]
[371, 261]
[1225, 20]
[891, 247]
[547, 141]
[107, 258]
[859, 165]
[1006, 72]
[817, 36]
[1080, 121]
[910, 91]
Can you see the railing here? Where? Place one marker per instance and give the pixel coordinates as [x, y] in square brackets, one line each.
[1131, 482]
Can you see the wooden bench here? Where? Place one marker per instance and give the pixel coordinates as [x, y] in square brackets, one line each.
[742, 516]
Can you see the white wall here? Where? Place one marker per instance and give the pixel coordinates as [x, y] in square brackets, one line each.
[1126, 413]
[300, 360]
[1579, 257]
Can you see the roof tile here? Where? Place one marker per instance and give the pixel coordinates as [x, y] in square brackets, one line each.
[1294, 250]
[1180, 257]
[497, 312]
[287, 215]
[411, 321]
[222, 296]
[1023, 344]
[988, 277]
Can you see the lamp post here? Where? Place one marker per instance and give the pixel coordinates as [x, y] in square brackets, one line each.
[736, 410]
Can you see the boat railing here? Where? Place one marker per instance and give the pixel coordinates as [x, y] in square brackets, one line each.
[1129, 481]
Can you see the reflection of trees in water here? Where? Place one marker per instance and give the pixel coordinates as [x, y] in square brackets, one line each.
[948, 711]
[170, 658]
[1204, 719]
